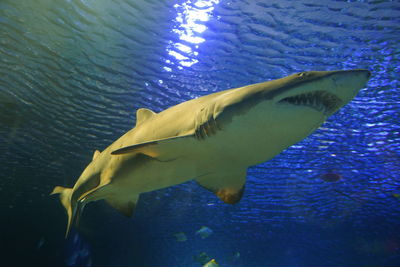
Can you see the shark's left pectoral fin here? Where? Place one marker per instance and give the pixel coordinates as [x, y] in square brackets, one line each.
[154, 148]
[227, 185]
[124, 206]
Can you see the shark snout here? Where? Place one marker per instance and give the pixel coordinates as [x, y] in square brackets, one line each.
[350, 78]
[347, 83]
[325, 91]
[367, 74]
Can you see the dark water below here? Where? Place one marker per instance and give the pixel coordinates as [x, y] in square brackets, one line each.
[74, 72]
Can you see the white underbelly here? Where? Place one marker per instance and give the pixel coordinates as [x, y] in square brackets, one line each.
[258, 135]
[153, 175]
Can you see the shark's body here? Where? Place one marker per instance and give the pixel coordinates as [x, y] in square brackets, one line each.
[212, 139]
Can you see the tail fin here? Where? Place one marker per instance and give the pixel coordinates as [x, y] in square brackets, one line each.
[65, 197]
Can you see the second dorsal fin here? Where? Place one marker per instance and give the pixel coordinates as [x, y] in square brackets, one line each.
[143, 114]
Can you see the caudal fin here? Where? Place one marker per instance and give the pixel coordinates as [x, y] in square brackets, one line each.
[65, 198]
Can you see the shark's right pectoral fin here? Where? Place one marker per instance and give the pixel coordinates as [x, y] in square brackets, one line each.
[227, 185]
[124, 206]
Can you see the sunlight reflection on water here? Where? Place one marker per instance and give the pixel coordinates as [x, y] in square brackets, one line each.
[190, 24]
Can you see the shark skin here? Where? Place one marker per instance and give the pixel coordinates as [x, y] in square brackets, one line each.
[212, 139]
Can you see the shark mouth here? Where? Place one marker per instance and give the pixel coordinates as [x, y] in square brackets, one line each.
[319, 100]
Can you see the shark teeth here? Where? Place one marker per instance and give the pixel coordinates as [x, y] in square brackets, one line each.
[319, 100]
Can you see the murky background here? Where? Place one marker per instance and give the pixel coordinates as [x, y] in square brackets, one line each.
[74, 72]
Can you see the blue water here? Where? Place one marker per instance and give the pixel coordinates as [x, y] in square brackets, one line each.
[74, 72]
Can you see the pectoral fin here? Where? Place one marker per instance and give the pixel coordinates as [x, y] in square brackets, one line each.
[126, 207]
[153, 148]
[228, 186]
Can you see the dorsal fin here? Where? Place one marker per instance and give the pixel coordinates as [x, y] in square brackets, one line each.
[95, 154]
[143, 114]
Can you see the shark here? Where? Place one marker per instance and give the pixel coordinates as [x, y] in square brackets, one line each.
[211, 139]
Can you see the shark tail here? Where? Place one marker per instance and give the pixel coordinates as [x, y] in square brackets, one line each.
[65, 198]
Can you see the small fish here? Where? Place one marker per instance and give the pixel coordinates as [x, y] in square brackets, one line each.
[331, 177]
[180, 237]
[204, 232]
[211, 263]
[396, 195]
[40, 243]
[202, 258]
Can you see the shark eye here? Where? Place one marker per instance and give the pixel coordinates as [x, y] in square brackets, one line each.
[303, 74]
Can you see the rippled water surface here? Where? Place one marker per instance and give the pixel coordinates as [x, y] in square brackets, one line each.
[74, 72]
